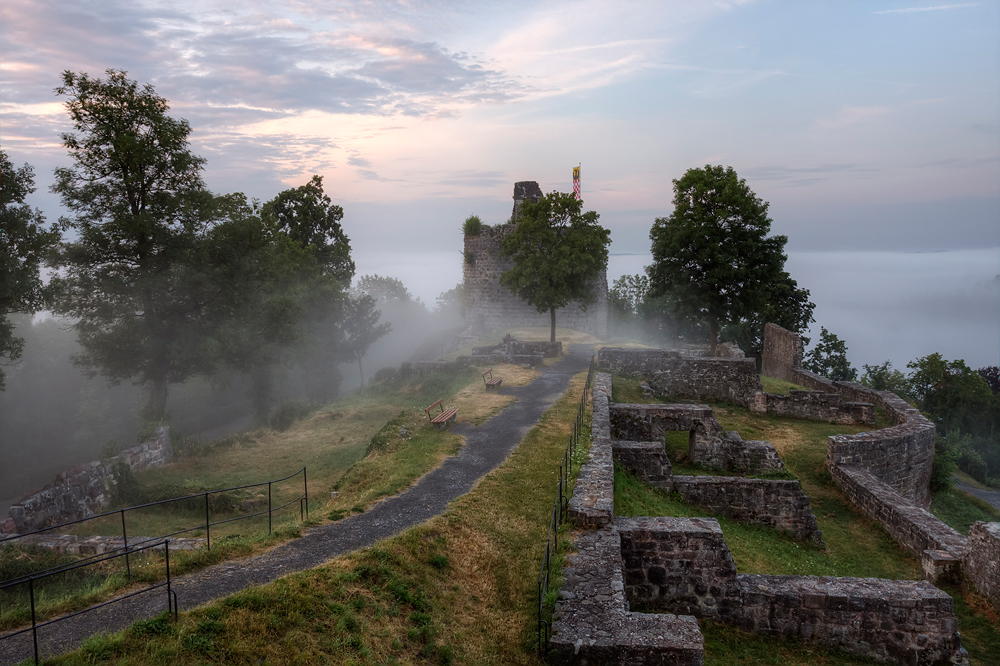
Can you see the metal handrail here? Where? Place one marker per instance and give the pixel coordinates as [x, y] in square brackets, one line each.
[149, 504]
[172, 607]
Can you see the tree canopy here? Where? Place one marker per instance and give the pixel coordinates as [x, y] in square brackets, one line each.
[24, 244]
[164, 280]
[558, 252]
[714, 260]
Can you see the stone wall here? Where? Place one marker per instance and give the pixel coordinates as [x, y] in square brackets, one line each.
[915, 528]
[70, 544]
[593, 623]
[489, 305]
[981, 560]
[517, 352]
[777, 503]
[820, 406]
[901, 455]
[83, 490]
[709, 444]
[676, 374]
[682, 565]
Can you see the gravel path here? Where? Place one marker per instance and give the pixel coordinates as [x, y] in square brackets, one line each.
[486, 447]
[991, 496]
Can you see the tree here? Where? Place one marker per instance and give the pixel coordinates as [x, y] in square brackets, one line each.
[135, 277]
[954, 394]
[713, 256]
[385, 290]
[361, 329]
[884, 377]
[309, 226]
[829, 358]
[24, 243]
[558, 252]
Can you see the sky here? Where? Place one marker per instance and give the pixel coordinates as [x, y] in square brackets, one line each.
[872, 128]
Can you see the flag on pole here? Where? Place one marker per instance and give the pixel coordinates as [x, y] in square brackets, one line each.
[576, 182]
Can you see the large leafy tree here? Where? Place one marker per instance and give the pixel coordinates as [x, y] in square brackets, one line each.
[558, 252]
[714, 260]
[309, 226]
[24, 243]
[139, 278]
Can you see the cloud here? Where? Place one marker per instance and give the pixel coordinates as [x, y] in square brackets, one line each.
[852, 115]
[804, 175]
[935, 8]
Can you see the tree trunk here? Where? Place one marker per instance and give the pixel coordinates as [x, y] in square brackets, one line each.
[156, 399]
[361, 372]
[713, 327]
[552, 330]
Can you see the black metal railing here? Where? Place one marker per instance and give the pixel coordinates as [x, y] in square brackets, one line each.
[127, 550]
[559, 509]
[29, 580]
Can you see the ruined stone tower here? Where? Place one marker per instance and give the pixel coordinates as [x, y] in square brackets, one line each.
[490, 305]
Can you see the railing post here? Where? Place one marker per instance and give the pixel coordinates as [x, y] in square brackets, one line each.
[166, 557]
[268, 507]
[34, 628]
[305, 488]
[208, 527]
[128, 565]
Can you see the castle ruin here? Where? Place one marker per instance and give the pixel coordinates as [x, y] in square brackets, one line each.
[490, 305]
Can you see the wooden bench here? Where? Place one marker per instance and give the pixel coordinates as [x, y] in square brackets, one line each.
[444, 417]
[492, 382]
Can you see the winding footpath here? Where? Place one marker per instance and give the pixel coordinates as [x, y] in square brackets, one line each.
[486, 447]
[990, 496]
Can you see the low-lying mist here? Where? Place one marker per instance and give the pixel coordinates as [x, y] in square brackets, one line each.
[53, 416]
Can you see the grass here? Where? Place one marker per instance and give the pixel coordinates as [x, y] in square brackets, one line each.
[959, 509]
[779, 386]
[458, 589]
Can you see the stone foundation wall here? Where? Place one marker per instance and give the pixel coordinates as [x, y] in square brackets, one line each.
[915, 529]
[593, 623]
[981, 560]
[682, 565]
[709, 444]
[675, 374]
[820, 406]
[517, 352]
[910, 622]
[900, 456]
[777, 503]
[83, 490]
[646, 460]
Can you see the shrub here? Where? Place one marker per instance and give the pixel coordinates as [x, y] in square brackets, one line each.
[385, 375]
[287, 413]
[470, 257]
[473, 226]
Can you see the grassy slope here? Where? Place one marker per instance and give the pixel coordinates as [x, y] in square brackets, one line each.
[458, 589]
[332, 443]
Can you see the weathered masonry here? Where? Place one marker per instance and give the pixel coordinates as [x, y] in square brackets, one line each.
[682, 569]
[886, 474]
[490, 305]
[85, 489]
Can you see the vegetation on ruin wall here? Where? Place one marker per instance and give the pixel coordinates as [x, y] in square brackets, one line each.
[458, 589]
[854, 545]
